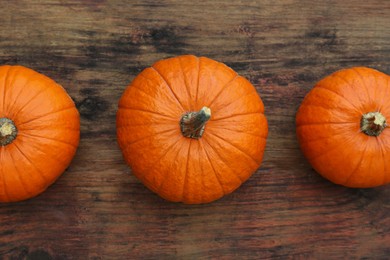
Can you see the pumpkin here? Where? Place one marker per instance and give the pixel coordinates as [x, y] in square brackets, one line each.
[342, 127]
[191, 129]
[39, 132]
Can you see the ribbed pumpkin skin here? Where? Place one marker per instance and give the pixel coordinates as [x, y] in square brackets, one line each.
[48, 132]
[182, 169]
[328, 128]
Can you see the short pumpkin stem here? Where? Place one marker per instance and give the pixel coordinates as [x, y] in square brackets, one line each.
[192, 124]
[373, 123]
[8, 131]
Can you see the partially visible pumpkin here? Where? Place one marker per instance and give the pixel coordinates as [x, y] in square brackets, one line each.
[191, 129]
[39, 132]
[342, 127]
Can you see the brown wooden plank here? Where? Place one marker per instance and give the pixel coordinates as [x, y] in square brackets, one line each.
[98, 210]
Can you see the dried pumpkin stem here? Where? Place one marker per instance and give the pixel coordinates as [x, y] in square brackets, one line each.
[373, 123]
[192, 124]
[8, 131]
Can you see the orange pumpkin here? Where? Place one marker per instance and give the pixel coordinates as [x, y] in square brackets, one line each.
[39, 132]
[191, 129]
[342, 129]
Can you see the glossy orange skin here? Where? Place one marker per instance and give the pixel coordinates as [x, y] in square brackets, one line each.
[178, 168]
[328, 128]
[48, 126]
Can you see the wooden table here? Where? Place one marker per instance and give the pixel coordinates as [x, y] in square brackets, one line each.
[99, 210]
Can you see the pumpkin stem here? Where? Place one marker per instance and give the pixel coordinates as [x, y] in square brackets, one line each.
[373, 123]
[192, 124]
[8, 131]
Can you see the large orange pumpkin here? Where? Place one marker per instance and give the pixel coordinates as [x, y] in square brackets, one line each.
[342, 127]
[39, 132]
[191, 129]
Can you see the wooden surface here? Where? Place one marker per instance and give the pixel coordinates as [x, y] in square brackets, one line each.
[98, 210]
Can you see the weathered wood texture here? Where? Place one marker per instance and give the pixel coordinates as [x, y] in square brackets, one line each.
[97, 209]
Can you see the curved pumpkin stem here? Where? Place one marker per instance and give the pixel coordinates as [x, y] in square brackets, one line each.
[192, 124]
[8, 131]
[373, 123]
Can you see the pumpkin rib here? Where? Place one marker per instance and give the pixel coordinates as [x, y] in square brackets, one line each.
[235, 115]
[226, 106]
[346, 105]
[212, 166]
[5, 86]
[158, 190]
[48, 138]
[202, 184]
[239, 149]
[153, 123]
[379, 141]
[147, 94]
[149, 136]
[28, 159]
[320, 139]
[222, 89]
[16, 99]
[166, 83]
[338, 94]
[357, 166]
[64, 163]
[28, 102]
[326, 152]
[23, 184]
[210, 69]
[325, 123]
[241, 132]
[32, 129]
[383, 97]
[185, 180]
[388, 87]
[142, 176]
[140, 89]
[43, 115]
[354, 69]
[142, 132]
[218, 190]
[165, 152]
[224, 161]
[16, 68]
[197, 84]
[231, 125]
[147, 111]
[350, 85]
[380, 103]
[186, 85]
[325, 108]
[7, 196]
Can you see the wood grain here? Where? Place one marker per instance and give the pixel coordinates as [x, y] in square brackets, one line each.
[98, 210]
